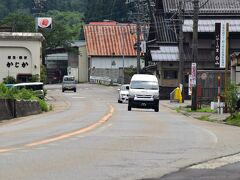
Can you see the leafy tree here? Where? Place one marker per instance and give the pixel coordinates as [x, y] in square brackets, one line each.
[66, 28]
[20, 22]
[3, 11]
[43, 74]
[231, 97]
[98, 10]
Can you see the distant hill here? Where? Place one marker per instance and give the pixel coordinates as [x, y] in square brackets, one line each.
[94, 10]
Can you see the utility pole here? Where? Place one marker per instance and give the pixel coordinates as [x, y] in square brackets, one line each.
[138, 38]
[195, 50]
[123, 37]
[181, 52]
[139, 14]
[226, 80]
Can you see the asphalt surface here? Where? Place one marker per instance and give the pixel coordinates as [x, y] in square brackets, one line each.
[225, 166]
[228, 172]
[91, 136]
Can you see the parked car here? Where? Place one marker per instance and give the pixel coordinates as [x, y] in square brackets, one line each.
[123, 93]
[69, 83]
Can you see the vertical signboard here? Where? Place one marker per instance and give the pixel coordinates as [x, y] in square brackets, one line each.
[217, 43]
[223, 45]
[194, 74]
[190, 85]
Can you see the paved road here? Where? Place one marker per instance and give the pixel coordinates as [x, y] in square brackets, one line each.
[91, 136]
[228, 172]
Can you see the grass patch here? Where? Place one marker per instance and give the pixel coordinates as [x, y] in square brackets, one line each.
[205, 118]
[203, 109]
[234, 119]
[178, 109]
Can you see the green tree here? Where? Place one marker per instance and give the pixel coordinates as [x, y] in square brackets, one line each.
[231, 97]
[43, 74]
[66, 28]
[20, 22]
[98, 10]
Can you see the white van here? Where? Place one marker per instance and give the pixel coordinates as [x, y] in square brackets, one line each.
[144, 92]
[37, 88]
[69, 83]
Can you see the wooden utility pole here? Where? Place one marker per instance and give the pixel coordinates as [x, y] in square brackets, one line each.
[195, 50]
[138, 38]
[226, 83]
[181, 52]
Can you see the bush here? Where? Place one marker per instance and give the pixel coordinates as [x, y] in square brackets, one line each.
[234, 119]
[231, 97]
[9, 80]
[43, 105]
[21, 94]
[35, 78]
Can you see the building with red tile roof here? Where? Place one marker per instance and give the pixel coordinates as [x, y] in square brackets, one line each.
[110, 48]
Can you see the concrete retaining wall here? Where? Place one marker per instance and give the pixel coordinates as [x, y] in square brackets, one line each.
[12, 109]
[6, 109]
[26, 108]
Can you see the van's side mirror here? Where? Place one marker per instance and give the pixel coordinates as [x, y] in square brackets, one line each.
[127, 87]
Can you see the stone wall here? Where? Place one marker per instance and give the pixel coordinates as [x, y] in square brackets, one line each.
[26, 108]
[6, 109]
[12, 108]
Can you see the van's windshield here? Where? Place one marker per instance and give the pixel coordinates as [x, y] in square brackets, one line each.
[144, 85]
[68, 79]
[33, 87]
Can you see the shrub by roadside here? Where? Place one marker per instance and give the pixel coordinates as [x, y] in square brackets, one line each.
[21, 94]
[234, 119]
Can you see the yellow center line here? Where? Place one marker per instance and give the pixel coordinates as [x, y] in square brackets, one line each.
[67, 135]
[7, 150]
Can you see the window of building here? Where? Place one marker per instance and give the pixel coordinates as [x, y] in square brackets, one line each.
[20, 57]
[14, 57]
[9, 57]
[25, 57]
[170, 74]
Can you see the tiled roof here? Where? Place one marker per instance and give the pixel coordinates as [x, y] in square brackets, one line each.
[110, 39]
[165, 53]
[165, 30]
[212, 6]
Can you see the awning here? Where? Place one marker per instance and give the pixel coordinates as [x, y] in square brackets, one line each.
[207, 25]
[165, 53]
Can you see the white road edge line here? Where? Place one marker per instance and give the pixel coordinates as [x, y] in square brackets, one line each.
[217, 163]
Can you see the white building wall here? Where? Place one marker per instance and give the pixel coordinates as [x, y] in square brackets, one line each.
[30, 51]
[114, 62]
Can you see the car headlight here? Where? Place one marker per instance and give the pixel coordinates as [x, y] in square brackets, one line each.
[131, 95]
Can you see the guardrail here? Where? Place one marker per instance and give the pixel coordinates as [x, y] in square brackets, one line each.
[101, 80]
[172, 96]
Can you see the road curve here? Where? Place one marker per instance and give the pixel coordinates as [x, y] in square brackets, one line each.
[123, 145]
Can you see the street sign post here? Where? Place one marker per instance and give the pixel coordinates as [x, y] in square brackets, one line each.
[194, 74]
